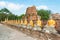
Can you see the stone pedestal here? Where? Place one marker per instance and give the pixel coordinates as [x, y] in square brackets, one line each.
[35, 34]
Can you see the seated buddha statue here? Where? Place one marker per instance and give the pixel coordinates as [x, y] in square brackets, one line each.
[25, 23]
[38, 24]
[21, 22]
[30, 24]
[50, 27]
[6, 20]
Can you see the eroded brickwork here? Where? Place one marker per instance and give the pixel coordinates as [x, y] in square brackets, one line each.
[31, 12]
[56, 17]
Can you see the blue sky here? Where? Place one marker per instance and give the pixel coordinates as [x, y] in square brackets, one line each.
[18, 7]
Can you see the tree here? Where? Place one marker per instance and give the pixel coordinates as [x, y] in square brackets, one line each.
[20, 17]
[44, 14]
[2, 16]
[5, 10]
[11, 16]
[4, 13]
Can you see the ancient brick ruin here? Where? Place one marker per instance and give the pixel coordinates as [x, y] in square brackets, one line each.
[31, 12]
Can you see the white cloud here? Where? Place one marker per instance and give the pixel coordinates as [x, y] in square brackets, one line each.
[15, 6]
[11, 6]
[42, 7]
[2, 3]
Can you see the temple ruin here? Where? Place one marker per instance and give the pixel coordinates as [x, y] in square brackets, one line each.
[31, 12]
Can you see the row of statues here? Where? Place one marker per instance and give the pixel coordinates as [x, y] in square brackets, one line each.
[49, 27]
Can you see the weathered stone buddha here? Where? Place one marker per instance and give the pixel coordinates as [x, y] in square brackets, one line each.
[15, 21]
[39, 22]
[21, 22]
[6, 19]
[11, 22]
[51, 22]
[30, 24]
[38, 25]
[18, 22]
[50, 27]
[25, 23]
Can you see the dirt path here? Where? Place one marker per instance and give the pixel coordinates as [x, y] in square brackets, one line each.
[7, 33]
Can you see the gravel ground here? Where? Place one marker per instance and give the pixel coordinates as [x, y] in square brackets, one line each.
[7, 33]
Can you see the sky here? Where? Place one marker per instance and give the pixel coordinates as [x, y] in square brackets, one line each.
[19, 7]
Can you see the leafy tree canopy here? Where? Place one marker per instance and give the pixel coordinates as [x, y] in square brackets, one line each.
[20, 17]
[44, 14]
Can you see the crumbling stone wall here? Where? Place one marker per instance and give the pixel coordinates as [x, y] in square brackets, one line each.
[56, 17]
